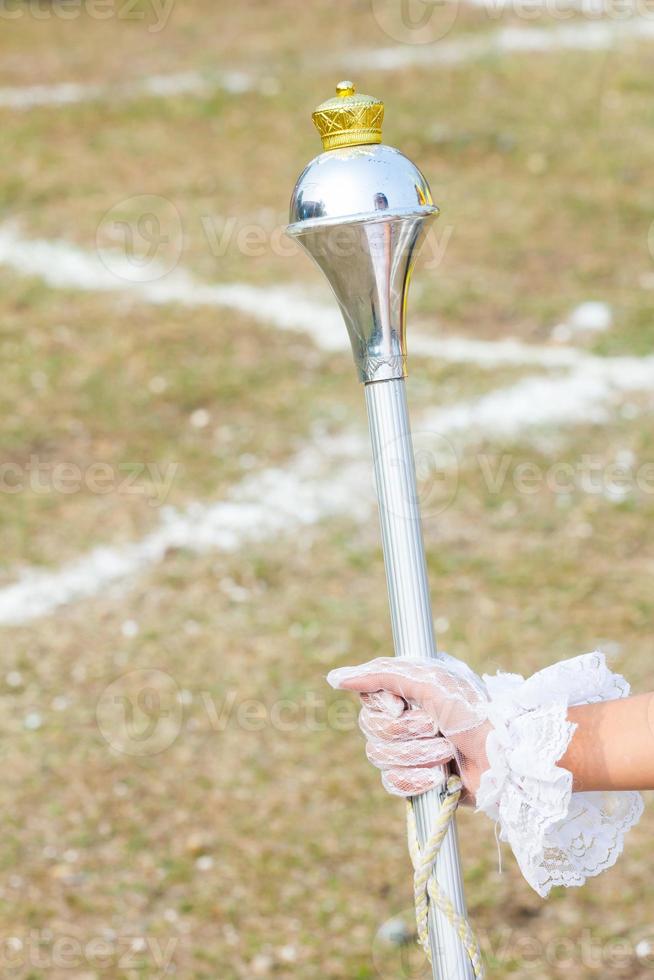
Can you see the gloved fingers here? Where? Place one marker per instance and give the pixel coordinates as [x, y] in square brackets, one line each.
[445, 690]
[412, 723]
[384, 701]
[415, 753]
[405, 781]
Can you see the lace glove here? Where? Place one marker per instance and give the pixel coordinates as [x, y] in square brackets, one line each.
[505, 735]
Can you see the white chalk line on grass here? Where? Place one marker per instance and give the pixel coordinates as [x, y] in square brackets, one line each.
[329, 478]
[585, 395]
[65, 266]
[595, 9]
[596, 35]
[593, 36]
[322, 480]
[262, 506]
[153, 86]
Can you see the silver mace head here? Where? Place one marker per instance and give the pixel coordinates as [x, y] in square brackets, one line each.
[360, 210]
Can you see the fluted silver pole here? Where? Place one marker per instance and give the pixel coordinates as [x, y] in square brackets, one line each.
[413, 632]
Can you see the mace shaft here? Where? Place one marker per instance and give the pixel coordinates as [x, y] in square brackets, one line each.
[413, 632]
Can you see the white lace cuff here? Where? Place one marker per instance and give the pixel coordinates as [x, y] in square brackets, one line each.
[558, 837]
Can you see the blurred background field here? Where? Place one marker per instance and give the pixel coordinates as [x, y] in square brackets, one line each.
[188, 529]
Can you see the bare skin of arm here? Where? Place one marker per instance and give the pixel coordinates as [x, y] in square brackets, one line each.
[613, 746]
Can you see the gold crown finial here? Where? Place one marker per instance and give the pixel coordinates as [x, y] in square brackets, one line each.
[350, 119]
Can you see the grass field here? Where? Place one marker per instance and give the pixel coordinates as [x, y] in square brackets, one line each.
[183, 795]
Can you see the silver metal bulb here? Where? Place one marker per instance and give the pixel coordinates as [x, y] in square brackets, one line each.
[360, 212]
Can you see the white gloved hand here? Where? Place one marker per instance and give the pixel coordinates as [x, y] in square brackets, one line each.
[505, 734]
[418, 716]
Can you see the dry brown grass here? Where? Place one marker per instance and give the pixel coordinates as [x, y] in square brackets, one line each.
[273, 852]
[307, 854]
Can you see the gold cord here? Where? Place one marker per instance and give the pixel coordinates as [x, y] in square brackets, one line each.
[426, 887]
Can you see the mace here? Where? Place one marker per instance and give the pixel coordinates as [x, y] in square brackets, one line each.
[361, 210]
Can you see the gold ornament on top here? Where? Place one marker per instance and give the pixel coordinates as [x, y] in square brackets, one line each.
[350, 119]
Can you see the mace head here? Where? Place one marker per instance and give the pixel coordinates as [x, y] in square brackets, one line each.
[360, 210]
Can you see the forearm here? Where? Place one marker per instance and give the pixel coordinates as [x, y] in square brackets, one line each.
[613, 745]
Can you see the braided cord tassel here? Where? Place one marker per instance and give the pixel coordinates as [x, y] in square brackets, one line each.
[425, 885]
